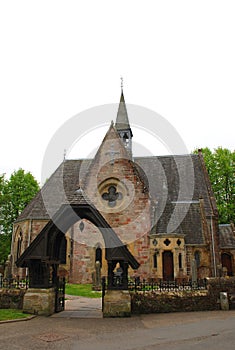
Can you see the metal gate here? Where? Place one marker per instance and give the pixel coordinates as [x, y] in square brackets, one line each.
[59, 294]
[103, 291]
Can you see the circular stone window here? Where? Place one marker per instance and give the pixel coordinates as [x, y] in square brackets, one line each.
[113, 195]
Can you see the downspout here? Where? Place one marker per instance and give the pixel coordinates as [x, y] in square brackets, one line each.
[213, 248]
[30, 231]
[12, 249]
[29, 239]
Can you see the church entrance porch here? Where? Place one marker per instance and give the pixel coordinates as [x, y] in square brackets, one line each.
[167, 266]
[43, 257]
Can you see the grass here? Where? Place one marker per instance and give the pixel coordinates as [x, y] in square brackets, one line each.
[82, 290]
[11, 314]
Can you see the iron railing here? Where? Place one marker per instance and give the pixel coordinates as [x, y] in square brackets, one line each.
[166, 286]
[14, 283]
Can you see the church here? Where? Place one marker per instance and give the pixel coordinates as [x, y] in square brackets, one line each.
[161, 208]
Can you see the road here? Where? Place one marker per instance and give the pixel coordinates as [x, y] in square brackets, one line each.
[176, 331]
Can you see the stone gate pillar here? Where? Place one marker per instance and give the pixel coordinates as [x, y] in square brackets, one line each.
[117, 299]
[39, 298]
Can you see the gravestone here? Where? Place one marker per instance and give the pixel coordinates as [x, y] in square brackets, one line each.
[7, 271]
[96, 277]
[194, 272]
[219, 269]
[224, 303]
[224, 271]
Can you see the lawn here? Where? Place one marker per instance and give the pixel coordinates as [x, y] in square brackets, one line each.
[11, 314]
[82, 290]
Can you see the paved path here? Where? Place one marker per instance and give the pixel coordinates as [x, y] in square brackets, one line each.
[174, 331]
[81, 307]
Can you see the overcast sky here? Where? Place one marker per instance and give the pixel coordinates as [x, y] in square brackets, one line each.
[59, 58]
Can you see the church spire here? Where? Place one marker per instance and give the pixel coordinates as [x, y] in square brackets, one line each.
[122, 123]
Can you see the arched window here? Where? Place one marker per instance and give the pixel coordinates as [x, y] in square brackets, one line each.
[180, 260]
[19, 246]
[197, 258]
[98, 255]
[155, 260]
[226, 260]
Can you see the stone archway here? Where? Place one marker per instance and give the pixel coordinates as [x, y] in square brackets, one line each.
[43, 256]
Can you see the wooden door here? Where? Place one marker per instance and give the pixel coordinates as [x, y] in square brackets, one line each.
[226, 260]
[167, 266]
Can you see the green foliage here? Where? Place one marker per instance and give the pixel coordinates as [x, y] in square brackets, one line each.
[5, 247]
[15, 194]
[83, 290]
[220, 165]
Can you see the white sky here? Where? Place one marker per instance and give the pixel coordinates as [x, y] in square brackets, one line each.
[59, 58]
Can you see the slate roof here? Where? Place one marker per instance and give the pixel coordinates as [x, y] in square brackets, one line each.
[61, 188]
[162, 175]
[171, 176]
[190, 224]
[227, 236]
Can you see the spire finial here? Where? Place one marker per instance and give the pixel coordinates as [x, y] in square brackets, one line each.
[121, 83]
[65, 154]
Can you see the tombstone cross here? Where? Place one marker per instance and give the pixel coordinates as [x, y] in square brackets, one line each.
[194, 272]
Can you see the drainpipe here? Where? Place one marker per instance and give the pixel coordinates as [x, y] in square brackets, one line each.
[29, 239]
[30, 231]
[12, 249]
[213, 247]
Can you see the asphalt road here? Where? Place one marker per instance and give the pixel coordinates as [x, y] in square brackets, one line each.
[176, 331]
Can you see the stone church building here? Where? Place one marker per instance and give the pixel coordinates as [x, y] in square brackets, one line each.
[161, 207]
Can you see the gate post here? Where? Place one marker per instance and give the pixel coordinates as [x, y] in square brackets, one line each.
[39, 301]
[103, 282]
[39, 298]
[116, 300]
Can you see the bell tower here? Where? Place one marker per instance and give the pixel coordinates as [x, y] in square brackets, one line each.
[123, 126]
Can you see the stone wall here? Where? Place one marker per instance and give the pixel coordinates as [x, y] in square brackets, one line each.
[217, 285]
[155, 302]
[29, 229]
[170, 302]
[11, 298]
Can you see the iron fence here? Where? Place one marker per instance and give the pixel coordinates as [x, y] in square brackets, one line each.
[166, 286]
[14, 283]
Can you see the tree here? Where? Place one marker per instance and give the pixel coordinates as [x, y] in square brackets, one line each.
[5, 247]
[15, 194]
[4, 239]
[220, 165]
[2, 182]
